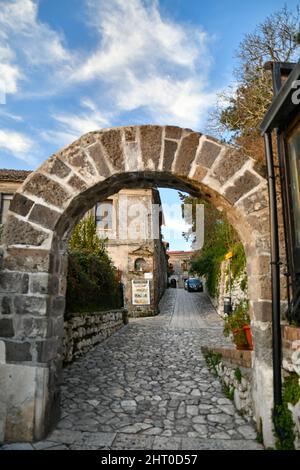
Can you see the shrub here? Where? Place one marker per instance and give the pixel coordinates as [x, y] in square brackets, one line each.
[91, 281]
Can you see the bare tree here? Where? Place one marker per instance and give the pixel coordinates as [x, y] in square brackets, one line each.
[241, 107]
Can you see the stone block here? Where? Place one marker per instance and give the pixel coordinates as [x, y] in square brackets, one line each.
[21, 204]
[132, 153]
[28, 260]
[31, 327]
[89, 138]
[14, 282]
[6, 305]
[200, 173]
[54, 166]
[208, 153]
[130, 134]
[77, 159]
[151, 138]
[18, 232]
[231, 161]
[47, 189]
[111, 141]
[255, 202]
[173, 132]
[39, 283]
[77, 183]
[56, 327]
[46, 350]
[262, 340]
[241, 186]
[6, 328]
[169, 153]
[259, 265]
[44, 216]
[186, 153]
[260, 221]
[262, 310]
[17, 351]
[30, 304]
[58, 305]
[291, 333]
[260, 288]
[96, 153]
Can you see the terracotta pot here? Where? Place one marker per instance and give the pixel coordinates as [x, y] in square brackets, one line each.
[247, 330]
[240, 339]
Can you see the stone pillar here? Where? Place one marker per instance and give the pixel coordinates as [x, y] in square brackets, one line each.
[31, 327]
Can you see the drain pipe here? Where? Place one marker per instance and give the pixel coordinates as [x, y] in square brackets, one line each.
[275, 273]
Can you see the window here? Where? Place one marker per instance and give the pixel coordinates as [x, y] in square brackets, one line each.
[139, 264]
[4, 206]
[104, 215]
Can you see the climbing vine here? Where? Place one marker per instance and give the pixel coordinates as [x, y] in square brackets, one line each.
[283, 420]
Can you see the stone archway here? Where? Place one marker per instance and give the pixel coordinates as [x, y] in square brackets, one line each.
[42, 215]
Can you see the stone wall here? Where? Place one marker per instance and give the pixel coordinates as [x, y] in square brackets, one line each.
[236, 292]
[235, 373]
[83, 330]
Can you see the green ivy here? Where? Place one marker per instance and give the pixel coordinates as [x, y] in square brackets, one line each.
[238, 261]
[283, 420]
[291, 388]
[244, 284]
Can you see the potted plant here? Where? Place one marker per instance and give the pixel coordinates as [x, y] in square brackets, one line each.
[237, 325]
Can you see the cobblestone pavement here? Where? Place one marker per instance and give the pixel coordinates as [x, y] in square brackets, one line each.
[148, 387]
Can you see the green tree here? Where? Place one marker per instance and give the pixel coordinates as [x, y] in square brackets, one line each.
[85, 237]
[91, 281]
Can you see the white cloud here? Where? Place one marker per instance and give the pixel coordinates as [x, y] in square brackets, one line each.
[71, 126]
[142, 61]
[17, 144]
[27, 44]
[148, 61]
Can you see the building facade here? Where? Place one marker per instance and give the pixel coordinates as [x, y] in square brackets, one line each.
[130, 222]
[179, 266]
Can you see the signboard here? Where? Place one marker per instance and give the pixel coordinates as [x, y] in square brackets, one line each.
[140, 292]
[148, 275]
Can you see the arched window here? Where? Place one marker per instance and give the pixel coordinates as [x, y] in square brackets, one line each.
[139, 264]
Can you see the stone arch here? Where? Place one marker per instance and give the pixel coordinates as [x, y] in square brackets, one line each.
[42, 215]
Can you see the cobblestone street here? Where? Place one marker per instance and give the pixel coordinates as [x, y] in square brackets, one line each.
[148, 387]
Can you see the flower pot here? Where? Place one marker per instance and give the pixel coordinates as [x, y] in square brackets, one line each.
[247, 330]
[240, 339]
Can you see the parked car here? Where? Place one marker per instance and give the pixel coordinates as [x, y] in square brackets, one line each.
[194, 285]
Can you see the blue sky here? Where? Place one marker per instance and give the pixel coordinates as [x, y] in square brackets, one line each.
[68, 67]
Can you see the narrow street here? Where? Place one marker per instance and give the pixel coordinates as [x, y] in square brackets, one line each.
[148, 387]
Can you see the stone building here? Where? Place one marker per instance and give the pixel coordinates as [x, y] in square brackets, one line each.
[10, 181]
[130, 221]
[179, 266]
